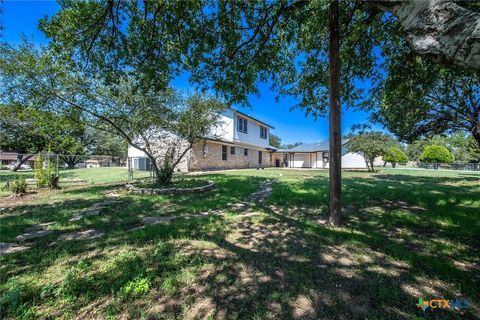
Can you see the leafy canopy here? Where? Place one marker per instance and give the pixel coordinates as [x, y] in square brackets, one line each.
[371, 145]
[436, 154]
[394, 155]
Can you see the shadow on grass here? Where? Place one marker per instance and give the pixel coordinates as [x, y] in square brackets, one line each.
[281, 264]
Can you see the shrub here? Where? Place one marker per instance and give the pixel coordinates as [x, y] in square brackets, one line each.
[17, 186]
[395, 155]
[436, 154]
[45, 177]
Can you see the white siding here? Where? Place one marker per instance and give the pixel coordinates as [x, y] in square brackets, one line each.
[353, 161]
[225, 129]
[134, 152]
[320, 163]
[252, 136]
[300, 160]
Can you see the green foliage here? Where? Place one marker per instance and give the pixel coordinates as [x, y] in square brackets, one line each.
[421, 98]
[135, 288]
[29, 129]
[436, 154]
[17, 186]
[463, 147]
[274, 140]
[44, 176]
[175, 260]
[369, 144]
[395, 155]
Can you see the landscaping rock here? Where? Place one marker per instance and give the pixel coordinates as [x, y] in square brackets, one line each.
[33, 235]
[40, 226]
[239, 206]
[157, 220]
[6, 248]
[169, 191]
[112, 195]
[94, 210]
[81, 235]
[261, 194]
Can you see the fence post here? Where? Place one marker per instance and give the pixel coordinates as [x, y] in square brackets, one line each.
[56, 169]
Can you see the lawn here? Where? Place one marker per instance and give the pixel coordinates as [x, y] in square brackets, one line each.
[406, 235]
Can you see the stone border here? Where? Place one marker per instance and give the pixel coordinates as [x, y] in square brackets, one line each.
[209, 186]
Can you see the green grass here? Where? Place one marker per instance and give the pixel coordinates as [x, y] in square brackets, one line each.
[407, 234]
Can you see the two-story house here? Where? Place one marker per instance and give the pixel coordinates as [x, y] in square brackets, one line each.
[240, 141]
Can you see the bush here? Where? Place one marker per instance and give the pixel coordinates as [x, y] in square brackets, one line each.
[45, 177]
[436, 154]
[17, 186]
[395, 155]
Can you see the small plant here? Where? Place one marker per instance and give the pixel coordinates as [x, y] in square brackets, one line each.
[17, 186]
[135, 288]
[45, 177]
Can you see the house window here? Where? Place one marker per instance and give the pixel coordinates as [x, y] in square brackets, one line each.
[242, 125]
[224, 153]
[259, 157]
[325, 156]
[245, 152]
[205, 150]
[232, 150]
[263, 132]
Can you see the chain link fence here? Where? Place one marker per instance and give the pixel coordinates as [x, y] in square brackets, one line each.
[438, 166]
[20, 161]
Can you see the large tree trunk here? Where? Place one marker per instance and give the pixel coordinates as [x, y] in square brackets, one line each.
[476, 133]
[20, 160]
[335, 184]
[440, 29]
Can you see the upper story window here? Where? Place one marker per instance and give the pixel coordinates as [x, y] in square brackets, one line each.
[263, 132]
[242, 125]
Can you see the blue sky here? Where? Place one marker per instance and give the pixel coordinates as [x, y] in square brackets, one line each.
[21, 17]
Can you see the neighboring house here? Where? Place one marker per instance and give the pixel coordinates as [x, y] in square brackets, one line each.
[10, 158]
[241, 141]
[316, 155]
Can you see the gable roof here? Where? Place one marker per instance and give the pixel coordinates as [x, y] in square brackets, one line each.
[311, 147]
[252, 118]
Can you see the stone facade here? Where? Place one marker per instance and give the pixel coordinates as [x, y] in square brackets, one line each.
[208, 156]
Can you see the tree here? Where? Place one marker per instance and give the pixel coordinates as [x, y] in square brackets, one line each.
[274, 140]
[436, 154]
[429, 25]
[371, 145]
[22, 130]
[335, 132]
[105, 143]
[28, 131]
[464, 148]
[420, 98]
[140, 115]
[395, 155]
